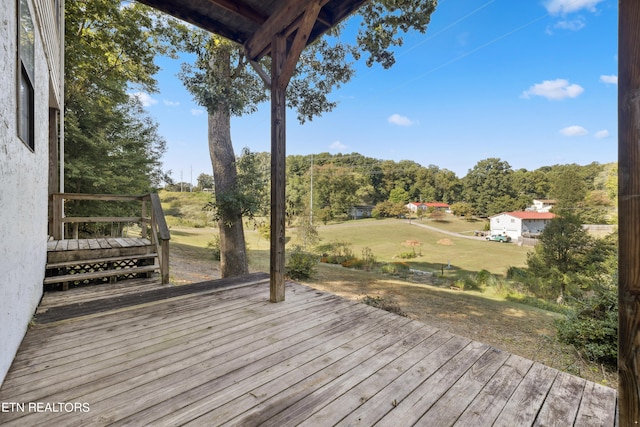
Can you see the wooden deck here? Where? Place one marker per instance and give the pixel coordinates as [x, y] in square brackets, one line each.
[218, 353]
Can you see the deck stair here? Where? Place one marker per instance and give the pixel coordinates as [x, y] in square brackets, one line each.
[94, 261]
[75, 261]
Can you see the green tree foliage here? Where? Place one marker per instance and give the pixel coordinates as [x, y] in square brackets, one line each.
[399, 195]
[334, 191]
[568, 187]
[488, 187]
[462, 209]
[222, 81]
[565, 256]
[251, 195]
[205, 182]
[388, 209]
[109, 49]
[592, 328]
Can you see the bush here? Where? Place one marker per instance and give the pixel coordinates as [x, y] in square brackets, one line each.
[395, 268]
[592, 328]
[215, 246]
[387, 305]
[407, 255]
[353, 263]
[301, 265]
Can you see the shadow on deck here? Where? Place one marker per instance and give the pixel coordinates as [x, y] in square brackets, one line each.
[218, 352]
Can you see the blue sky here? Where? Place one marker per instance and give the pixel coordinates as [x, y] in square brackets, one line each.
[531, 82]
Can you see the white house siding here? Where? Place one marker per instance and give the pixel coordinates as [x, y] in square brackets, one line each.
[23, 188]
[507, 225]
[513, 226]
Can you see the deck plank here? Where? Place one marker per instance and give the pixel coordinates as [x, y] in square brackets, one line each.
[487, 406]
[598, 406]
[257, 378]
[225, 355]
[561, 405]
[195, 370]
[525, 402]
[365, 391]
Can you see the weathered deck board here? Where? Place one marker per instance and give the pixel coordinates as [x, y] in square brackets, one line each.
[212, 355]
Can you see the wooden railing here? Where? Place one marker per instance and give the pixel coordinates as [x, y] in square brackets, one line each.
[153, 220]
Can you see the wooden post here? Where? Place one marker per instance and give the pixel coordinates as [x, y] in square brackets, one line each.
[629, 212]
[278, 170]
[143, 223]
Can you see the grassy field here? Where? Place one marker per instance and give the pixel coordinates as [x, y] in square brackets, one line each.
[483, 316]
[388, 239]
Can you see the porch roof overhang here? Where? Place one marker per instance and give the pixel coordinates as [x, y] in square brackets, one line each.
[254, 23]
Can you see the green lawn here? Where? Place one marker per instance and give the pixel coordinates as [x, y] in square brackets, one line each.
[454, 224]
[386, 237]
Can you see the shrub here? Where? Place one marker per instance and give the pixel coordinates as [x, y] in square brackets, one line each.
[368, 258]
[301, 265]
[395, 268]
[387, 305]
[215, 246]
[592, 328]
[353, 263]
[407, 255]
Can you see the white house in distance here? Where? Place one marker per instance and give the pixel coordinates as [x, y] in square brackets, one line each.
[517, 224]
[414, 207]
[542, 205]
[31, 66]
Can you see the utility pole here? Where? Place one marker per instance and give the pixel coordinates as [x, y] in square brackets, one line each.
[311, 192]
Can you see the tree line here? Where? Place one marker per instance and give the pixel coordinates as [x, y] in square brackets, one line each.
[326, 186]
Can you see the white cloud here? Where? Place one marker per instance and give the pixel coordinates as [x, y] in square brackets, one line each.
[145, 99]
[563, 7]
[554, 89]
[337, 146]
[196, 111]
[574, 131]
[171, 103]
[399, 120]
[571, 25]
[609, 79]
[602, 134]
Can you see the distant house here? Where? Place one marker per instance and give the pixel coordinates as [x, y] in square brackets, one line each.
[542, 205]
[361, 211]
[414, 207]
[31, 106]
[518, 224]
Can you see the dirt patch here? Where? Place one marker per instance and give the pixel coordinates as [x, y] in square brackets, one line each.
[445, 242]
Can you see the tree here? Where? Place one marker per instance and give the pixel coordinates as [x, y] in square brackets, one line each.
[399, 195]
[222, 81]
[488, 187]
[568, 187]
[110, 51]
[462, 209]
[205, 182]
[561, 254]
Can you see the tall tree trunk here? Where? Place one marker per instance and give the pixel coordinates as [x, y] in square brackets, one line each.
[233, 255]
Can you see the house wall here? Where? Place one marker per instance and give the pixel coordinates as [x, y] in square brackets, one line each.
[506, 224]
[534, 225]
[23, 186]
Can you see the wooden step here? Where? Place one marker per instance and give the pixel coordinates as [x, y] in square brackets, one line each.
[99, 260]
[99, 274]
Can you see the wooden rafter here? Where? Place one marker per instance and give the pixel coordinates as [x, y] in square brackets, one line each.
[299, 42]
[280, 22]
[241, 9]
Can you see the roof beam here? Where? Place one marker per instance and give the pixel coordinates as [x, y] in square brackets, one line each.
[191, 16]
[241, 9]
[260, 43]
[299, 42]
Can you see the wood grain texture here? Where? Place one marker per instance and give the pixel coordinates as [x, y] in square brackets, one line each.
[219, 353]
